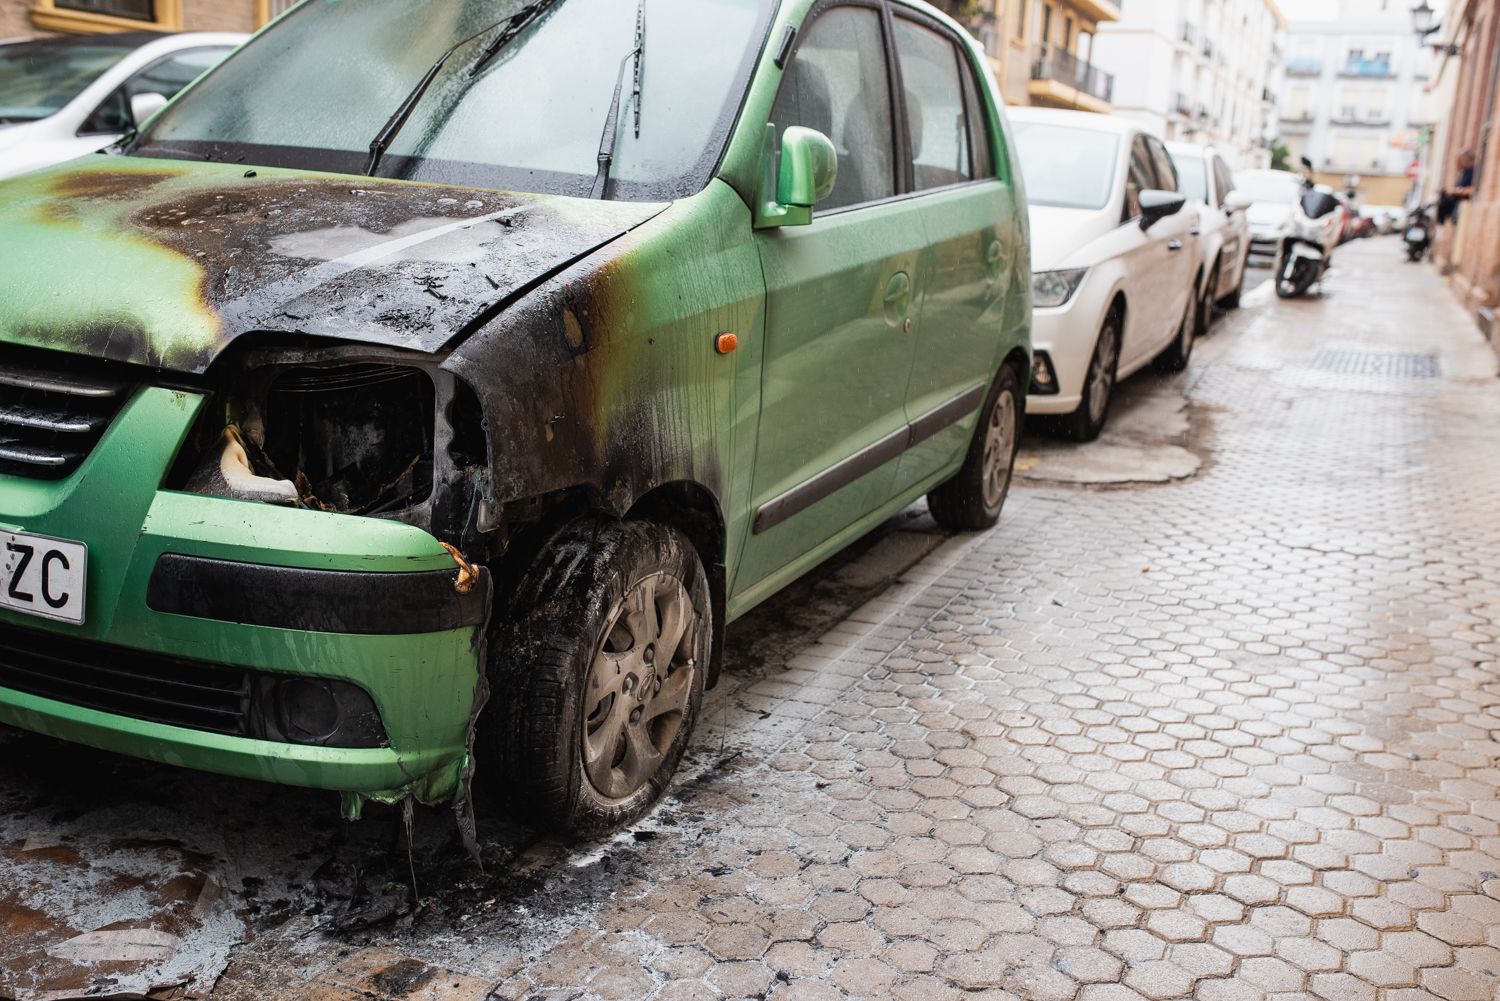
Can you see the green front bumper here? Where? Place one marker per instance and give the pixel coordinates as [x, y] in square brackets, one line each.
[423, 683]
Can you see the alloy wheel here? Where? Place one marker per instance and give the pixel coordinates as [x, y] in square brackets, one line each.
[637, 692]
[1101, 375]
[999, 448]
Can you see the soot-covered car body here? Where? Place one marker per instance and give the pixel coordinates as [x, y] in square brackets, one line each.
[290, 454]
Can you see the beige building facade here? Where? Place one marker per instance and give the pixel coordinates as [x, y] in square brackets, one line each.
[1042, 50]
[22, 18]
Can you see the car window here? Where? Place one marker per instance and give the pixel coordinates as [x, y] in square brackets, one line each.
[1192, 173]
[1223, 179]
[38, 79]
[1066, 166]
[1142, 175]
[937, 119]
[979, 123]
[165, 77]
[838, 84]
[317, 86]
[1166, 174]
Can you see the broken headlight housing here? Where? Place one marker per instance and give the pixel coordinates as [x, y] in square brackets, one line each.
[348, 430]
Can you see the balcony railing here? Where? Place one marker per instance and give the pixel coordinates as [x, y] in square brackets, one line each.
[1187, 31]
[1367, 67]
[1378, 119]
[1304, 67]
[1181, 104]
[1064, 67]
[1208, 48]
[1296, 117]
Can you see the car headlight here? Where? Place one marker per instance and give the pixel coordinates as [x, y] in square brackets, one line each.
[1054, 288]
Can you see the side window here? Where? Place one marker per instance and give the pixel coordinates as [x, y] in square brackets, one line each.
[1142, 175]
[165, 77]
[1166, 170]
[979, 124]
[936, 116]
[171, 75]
[1223, 180]
[838, 84]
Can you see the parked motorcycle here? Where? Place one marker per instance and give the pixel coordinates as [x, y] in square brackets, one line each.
[1307, 239]
[1418, 236]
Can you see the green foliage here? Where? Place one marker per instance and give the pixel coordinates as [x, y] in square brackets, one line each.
[1281, 155]
[962, 11]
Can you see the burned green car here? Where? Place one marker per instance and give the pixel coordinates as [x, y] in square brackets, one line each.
[408, 406]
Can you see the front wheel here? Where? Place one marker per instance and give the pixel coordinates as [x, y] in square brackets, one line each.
[1175, 357]
[1085, 423]
[596, 676]
[1304, 273]
[971, 501]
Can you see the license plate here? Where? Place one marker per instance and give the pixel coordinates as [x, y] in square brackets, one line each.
[42, 576]
[1415, 235]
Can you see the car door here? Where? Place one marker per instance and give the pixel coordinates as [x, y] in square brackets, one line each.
[840, 304]
[967, 268]
[1236, 230]
[1149, 264]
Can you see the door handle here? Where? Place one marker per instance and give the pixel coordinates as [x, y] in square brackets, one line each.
[1197, 232]
[897, 298]
[1175, 245]
[995, 257]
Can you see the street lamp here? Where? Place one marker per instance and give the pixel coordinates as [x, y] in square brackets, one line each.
[1424, 19]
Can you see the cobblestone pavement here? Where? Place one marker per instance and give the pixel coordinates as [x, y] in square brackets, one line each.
[1225, 737]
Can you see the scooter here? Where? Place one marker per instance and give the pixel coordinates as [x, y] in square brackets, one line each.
[1418, 236]
[1307, 240]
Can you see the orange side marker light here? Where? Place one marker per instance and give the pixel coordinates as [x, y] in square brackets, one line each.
[726, 343]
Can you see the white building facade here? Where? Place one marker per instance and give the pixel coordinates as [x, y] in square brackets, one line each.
[1354, 101]
[1198, 71]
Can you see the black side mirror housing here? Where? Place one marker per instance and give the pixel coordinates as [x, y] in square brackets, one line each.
[1157, 205]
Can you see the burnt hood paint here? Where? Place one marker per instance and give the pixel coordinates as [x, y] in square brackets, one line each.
[165, 264]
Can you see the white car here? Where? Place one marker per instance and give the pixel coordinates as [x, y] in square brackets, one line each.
[1115, 264]
[1223, 228]
[62, 98]
[1274, 195]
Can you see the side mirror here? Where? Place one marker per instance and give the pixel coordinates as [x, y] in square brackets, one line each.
[146, 104]
[1157, 205]
[809, 167]
[1237, 201]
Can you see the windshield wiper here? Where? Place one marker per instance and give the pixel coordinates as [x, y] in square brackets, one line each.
[512, 25]
[612, 121]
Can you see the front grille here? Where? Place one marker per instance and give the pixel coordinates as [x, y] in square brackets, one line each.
[51, 417]
[124, 682]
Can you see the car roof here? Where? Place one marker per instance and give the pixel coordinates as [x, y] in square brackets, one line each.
[1204, 150]
[1262, 171]
[1076, 119]
[122, 40]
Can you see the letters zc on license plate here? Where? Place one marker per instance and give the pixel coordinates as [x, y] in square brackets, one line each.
[42, 576]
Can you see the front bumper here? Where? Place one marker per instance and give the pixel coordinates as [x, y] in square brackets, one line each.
[275, 591]
[1066, 335]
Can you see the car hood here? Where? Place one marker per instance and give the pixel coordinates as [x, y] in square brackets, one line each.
[165, 264]
[1058, 234]
[1268, 215]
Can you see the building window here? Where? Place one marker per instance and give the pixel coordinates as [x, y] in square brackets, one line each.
[92, 16]
[268, 10]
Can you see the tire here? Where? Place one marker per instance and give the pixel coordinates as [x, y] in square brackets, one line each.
[1085, 423]
[1304, 274]
[971, 501]
[1174, 358]
[1203, 313]
[578, 737]
[1232, 300]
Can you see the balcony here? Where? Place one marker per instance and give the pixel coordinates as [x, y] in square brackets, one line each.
[1368, 119]
[1377, 68]
[1181, 105]
[1187, 32]
[1304, 67]
[1208, 48]
[1060, 80]
[1299, 121]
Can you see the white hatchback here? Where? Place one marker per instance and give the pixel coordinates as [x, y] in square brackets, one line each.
[1223, 228]
[62, 98]
[1115, 262]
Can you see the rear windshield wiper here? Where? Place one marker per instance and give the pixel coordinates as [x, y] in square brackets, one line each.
[512, 26]
[612, 120]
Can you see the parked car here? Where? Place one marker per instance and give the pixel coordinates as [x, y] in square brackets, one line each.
[62, 98]
[367, 449]
[1223, 229]
[1274, 196]
[1116, 268]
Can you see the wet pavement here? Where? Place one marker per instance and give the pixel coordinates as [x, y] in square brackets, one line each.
[1225, 733]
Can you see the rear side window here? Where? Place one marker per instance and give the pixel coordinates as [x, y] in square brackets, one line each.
[165, 77]
[1142, 176]
[1223, 179]
[838, 84]
[937, 118]
[979, 122]
[1166, 173]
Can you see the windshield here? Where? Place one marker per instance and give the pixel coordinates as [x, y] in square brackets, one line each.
[1192, 176]
[1065, 166]
[38, 79]
[315, 89]
[1270, 186]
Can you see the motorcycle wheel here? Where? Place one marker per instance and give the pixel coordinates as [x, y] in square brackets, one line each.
[1304, 273]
